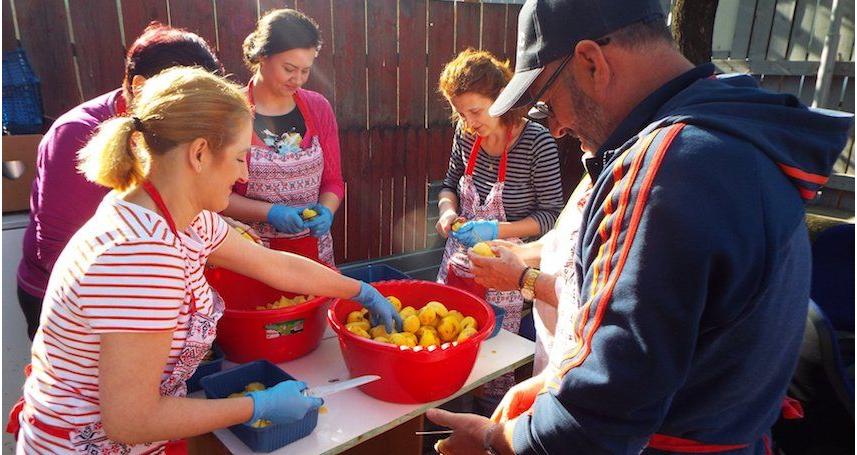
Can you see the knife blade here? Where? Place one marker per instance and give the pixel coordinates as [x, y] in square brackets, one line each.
[325, 390]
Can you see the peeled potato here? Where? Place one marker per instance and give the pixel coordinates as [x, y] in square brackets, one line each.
[358, 330]
[362, 324]
[254, 386]
[354, 316]
[455, 314]
[439, 308]
[428, 339]
[466, 333]
[308, 214]
[468, 322]
[448, 328]
[397, 304]
[411, 324]
[483, 249]
[427, 315]
[407, 311]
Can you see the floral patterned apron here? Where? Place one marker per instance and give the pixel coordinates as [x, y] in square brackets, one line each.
[455, 266]
[292, 179]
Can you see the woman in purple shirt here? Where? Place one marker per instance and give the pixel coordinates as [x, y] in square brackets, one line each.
[62, 200]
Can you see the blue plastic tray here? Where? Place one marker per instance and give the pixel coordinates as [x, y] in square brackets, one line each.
[371, 273]
[268, 439]
[206, 368]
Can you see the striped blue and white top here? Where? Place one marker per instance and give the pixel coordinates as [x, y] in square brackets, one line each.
[533, 183]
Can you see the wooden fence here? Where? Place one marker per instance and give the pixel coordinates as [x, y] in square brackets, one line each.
[379, 67]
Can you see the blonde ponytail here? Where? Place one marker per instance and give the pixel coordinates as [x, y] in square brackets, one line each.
[109, 159]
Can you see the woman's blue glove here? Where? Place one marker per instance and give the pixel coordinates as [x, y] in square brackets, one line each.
[283, 403]
[286, 219]
[320, 224]
[473, 232]
[381, 311]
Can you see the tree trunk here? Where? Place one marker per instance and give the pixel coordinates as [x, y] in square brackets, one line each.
[693, 27]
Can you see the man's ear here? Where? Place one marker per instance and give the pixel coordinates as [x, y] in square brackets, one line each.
[591, 69]
[197, 153]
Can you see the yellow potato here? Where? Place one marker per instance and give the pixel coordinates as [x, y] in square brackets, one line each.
[378, 331]
[458, 223]
[261, 423]
[354, 316]
[411, 324]
[358, 330]
[427, 315]
[236, 395]
[483, 249]
[401, 339]
[439, 308]
[448, 329]
[468, 321]
[466, 333]
[456, 314]
[407, 311]
[361, 324]
[428, 339]
[308, 214]
[254, 386]
[382, 339]
[424, 329]
[397, 304]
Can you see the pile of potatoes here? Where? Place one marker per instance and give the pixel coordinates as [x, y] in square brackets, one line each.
[285, 302]
[252, 387]
[430, 327]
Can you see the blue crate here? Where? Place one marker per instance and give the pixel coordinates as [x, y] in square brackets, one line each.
[371, 273]
[499, 314]
[206, 368]
[22, 102]
[268, 439]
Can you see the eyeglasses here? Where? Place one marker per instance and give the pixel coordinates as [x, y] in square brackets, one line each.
[540, 110]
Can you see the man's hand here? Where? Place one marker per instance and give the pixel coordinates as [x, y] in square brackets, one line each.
[468, 435]
[519, 399]
[444, 222]
[502, 272]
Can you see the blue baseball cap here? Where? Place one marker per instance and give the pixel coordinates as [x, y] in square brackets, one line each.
[549, 30]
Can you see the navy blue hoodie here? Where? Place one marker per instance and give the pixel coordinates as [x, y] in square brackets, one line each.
[694, 267]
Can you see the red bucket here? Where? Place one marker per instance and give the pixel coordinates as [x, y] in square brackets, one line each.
[413, 376]
[246, 334]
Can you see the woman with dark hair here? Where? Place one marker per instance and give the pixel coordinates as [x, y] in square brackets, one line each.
[294, 159]
[62, 199]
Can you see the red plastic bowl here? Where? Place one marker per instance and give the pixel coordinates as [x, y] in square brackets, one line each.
[246, 334]
[413, 376]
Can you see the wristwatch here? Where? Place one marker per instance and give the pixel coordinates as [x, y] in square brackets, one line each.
[528, 288]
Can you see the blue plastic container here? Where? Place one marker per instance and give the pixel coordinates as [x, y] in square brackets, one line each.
[268, 439]
[206, 368]
[371, 273]
[22, 102]
[499, 314]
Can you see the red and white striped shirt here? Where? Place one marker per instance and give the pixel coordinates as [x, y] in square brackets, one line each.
[123, 271]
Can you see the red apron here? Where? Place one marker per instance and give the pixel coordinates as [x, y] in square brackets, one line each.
[455, 266]
[92, 439]
[791, 409]
[292, 179]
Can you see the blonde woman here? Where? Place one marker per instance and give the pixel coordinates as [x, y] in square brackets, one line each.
[128, 313]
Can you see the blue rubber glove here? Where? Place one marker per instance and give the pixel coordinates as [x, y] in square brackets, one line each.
[283, 403]
[473, 232]
[286, 219]
[381, 311]
[320, 224]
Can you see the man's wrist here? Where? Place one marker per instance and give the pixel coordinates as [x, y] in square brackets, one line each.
[488, 441]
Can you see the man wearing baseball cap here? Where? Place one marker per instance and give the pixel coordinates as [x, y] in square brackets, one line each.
[689, 285]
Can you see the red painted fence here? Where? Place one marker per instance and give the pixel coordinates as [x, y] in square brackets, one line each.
[379, 67]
